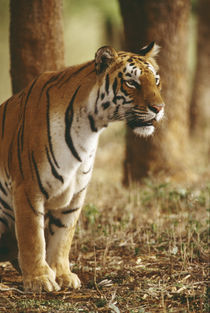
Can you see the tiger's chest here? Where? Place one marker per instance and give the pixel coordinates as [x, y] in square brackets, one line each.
[75, 156]
[75, 183]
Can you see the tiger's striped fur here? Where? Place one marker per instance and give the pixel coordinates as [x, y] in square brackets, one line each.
[48, 139]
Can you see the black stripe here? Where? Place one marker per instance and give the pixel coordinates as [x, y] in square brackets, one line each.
[6, 172]
[107, 84]
[92, 123]
[77, 72]
[31, 165]
[5, 205]
[4, 119]
[19, 153]
[116, 110]
[52, 79]
[119, 98]
[128, 102]
[54, 221]
[121, 87]
[21, 94]
[68, 122]
[2, 189]
[102, 95]
[38, 178]
[114, 86]
[123, 90]
[48, 128]
[24, 111]
[70, 211]
[54, 172]
[77, 193]
[96, 103]
[10, 216]
[105, 105]
[4, 221]
[7, 186]
[30, 204]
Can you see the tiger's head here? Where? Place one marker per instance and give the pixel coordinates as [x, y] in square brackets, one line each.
[129, 88]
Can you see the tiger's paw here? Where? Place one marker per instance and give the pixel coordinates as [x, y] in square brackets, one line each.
[39, 283]
[69, 280]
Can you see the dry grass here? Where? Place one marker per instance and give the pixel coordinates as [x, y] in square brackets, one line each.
[137, 250]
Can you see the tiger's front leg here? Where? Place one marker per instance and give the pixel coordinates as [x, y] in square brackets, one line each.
[37, 275]
[61, 230]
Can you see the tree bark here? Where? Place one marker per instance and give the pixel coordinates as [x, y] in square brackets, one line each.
[166, 22]
[200, 108]
[36, 39]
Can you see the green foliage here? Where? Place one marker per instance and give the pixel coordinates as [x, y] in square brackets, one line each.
[173, 199]
[91, 213]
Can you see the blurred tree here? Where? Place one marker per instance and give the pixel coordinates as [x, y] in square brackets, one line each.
[200, 109]
[36, 39]
[166, 22]
[113, 33]
[36, 45]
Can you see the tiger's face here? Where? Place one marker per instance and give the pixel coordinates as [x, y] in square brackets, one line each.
[134, 93]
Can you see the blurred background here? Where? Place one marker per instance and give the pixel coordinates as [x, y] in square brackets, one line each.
[130, 25]
[87, 26]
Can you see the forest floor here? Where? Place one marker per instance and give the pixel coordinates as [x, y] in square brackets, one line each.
[142, 249]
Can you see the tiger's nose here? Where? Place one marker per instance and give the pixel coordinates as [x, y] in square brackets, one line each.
[156, 107]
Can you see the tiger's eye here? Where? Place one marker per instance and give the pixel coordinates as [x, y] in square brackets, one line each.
[132, 84]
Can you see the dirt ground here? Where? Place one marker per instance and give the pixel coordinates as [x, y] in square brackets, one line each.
[139, 262]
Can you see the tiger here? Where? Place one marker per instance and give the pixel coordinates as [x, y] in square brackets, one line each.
[49, 133]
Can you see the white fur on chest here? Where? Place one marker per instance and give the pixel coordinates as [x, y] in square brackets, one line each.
[76, 173]
[74, 184]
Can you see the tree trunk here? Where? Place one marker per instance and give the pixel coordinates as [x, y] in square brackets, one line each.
[166, 22]
[36, 39]
[200, 108]
[36, 45]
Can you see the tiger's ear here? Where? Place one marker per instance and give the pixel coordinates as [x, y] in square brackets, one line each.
[150, 51]
[104, 57]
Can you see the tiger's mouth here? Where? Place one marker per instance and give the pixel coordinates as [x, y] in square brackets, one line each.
[133, 123]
